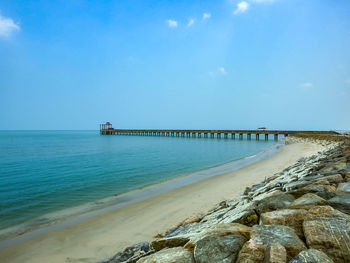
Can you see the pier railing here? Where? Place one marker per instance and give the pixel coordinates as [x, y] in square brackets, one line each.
[210, 133]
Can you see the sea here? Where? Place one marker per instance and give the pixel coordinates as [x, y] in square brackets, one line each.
[47, 177]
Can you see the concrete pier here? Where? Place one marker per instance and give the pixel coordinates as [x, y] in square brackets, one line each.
[107, 129]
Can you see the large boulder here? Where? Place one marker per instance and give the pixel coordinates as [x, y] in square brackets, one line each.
[169, 255]
[263, 235]
[311, 256]
[288, 217]
[330, 236]
[177, 241]
[307, 201]
[218, 249]
[275, 253]
[243, 214]
[341, 202]
[280, 201]
[218, 230]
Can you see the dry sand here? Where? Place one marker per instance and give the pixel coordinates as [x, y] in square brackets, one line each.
[101, 236]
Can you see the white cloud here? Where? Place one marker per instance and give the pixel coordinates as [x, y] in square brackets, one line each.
[241, 7]
[264, 1]
[172, 23]
[190, 22]
[222, 71]
[7, 26]
[206, 16]
[307, 85]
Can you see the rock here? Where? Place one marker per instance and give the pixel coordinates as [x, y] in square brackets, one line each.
[347, 177]
[311, 256]
[331, 236]
[263, 235]
[294, 185]
[280, 201]
[341, 202]
[326, 195]
[132, 252]
[307, 189]
[344, 188]
[307, 201]
[275, 253]
[243, 214]
[325, 211]
[224, 249]
[293, 218]
[177, 241]
[169, 255]
[334, 178]
[218, 230]
[340, 165]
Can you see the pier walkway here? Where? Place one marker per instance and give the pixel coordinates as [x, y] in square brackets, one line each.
[106, 129]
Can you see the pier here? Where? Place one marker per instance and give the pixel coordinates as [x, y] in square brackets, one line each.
[107, 129]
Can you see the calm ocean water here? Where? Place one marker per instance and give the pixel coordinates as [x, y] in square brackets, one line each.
[46, 171]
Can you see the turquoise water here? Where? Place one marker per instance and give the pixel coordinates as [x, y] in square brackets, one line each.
[46, 171]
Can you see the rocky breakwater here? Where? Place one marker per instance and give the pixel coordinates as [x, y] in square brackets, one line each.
[299, 215]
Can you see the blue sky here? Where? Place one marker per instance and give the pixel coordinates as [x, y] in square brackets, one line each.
[283, 64]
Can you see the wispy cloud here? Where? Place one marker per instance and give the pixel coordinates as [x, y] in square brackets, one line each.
[347, 81]
[307, 85]
[190, 22]
[172, 23]
[241, 7]
[206, 16]
[7, 26]
[263, 1]
[222, 70]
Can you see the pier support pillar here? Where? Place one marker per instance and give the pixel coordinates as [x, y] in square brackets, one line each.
[249, 136]
[266, 137]
[276, 137]
[199, 135]
[225, 135]
[241, 136]
[257, 136]
[212, 135]
[218, 135]
[205, 135]
[233, 136]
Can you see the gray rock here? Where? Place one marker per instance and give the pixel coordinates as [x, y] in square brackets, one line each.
[331, 236]
[130, 253]
[308, 200]
[344, 188]
[169, 255]
[280, 201]
[218, 249]
[311, 256]
[326, 195]
[293, 218]
[262, 236]
[311, 188]
[341, 202]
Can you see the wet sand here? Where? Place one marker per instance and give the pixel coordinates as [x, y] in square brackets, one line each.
[101, 236]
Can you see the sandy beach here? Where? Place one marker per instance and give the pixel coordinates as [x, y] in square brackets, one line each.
[101, 236]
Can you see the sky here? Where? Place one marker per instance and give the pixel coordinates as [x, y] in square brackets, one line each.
[281, 64]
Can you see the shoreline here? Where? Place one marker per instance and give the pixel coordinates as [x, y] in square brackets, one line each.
[100, 236]
[66, 217]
